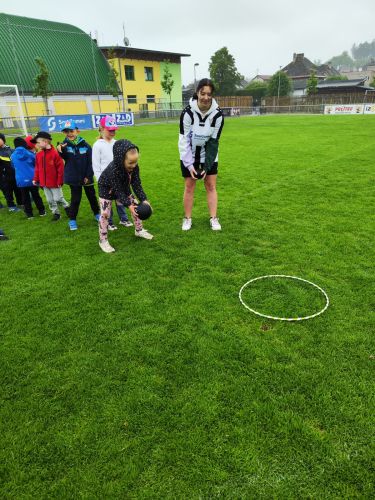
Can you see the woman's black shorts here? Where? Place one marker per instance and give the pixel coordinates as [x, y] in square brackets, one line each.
[185, 172]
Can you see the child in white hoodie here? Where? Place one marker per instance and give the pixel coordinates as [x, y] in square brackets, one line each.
[102, 155]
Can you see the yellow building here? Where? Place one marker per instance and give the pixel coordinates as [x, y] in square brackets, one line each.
[140, 73]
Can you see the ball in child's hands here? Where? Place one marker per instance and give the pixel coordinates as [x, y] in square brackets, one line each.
[143, 210]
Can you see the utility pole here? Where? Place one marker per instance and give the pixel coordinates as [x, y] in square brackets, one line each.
[195, 75]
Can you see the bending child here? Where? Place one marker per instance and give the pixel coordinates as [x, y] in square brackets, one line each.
[115, 183]
[102, 155]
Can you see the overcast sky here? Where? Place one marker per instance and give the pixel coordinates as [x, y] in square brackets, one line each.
[261, 35]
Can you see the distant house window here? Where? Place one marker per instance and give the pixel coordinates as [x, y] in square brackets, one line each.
[149, 74]
[150, 98]
[132, 99]
[129, 72]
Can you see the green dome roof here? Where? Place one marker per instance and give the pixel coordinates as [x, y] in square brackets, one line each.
[69, 53]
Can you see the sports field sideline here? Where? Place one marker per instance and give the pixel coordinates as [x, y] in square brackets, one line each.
[140, 375]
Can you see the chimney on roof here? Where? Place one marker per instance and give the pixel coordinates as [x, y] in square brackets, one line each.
[298, 57]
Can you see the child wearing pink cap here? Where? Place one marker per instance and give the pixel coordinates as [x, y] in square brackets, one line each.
[102, 155]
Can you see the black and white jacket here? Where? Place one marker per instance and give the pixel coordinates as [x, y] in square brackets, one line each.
[196, 129]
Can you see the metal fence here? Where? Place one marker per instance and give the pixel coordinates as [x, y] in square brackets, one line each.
[11, 125]
[311, 109]
[322, 99]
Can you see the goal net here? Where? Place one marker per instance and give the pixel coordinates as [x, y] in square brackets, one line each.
[12, 119]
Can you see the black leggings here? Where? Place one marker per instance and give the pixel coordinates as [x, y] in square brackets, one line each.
[34, 192]
[76, 196]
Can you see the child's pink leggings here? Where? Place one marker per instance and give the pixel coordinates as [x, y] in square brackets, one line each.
[105, 214]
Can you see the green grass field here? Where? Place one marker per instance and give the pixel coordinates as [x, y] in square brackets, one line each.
[140, 375]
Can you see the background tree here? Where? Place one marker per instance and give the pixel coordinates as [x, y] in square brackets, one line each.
[343, 59]
[41, 82]
[255, 89]
[113, 74]
[224, 73]
[363, 51]
[167, 82]
[361, 55]
[312, 83]
[280, 84]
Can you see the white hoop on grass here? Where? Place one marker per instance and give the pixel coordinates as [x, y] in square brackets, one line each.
[288, 277]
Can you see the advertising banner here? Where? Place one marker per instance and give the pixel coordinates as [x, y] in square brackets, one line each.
[343, 109]
[54, 123]
[369, 109]
[122, 119]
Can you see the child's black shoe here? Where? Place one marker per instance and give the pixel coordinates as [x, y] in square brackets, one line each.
[56, 217]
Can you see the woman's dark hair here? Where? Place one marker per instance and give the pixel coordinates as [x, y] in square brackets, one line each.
[205, 82]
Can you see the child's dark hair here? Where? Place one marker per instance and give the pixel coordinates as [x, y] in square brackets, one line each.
[205, 82]
[132, 150]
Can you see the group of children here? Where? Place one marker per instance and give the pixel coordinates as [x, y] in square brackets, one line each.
[114, 164]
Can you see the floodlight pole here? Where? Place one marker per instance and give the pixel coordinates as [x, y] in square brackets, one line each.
[95, 73]
[278, 89]
[195, 75]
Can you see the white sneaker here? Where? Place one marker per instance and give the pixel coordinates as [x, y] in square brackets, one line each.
[106, 247]
[112, 227]
[144, 234]
[215, 224]
[186, 223]
[126, 223]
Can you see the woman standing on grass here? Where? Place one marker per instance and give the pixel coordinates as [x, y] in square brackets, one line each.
[201, 124]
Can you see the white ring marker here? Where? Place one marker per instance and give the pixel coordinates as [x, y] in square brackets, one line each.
[288, 277]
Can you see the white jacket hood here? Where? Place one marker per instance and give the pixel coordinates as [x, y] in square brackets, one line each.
[194, 106]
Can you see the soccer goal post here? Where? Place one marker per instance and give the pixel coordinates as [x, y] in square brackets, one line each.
[12, 119]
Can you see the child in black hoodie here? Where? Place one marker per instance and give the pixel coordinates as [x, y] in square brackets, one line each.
[116, 183]
[7, 177]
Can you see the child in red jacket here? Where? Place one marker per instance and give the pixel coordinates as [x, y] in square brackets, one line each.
[49, 174]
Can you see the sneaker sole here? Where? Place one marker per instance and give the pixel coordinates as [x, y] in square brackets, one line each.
[143, 238]
[107, 251]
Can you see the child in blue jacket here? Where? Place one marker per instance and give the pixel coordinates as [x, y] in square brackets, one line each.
[23, 162]
[78, 172]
